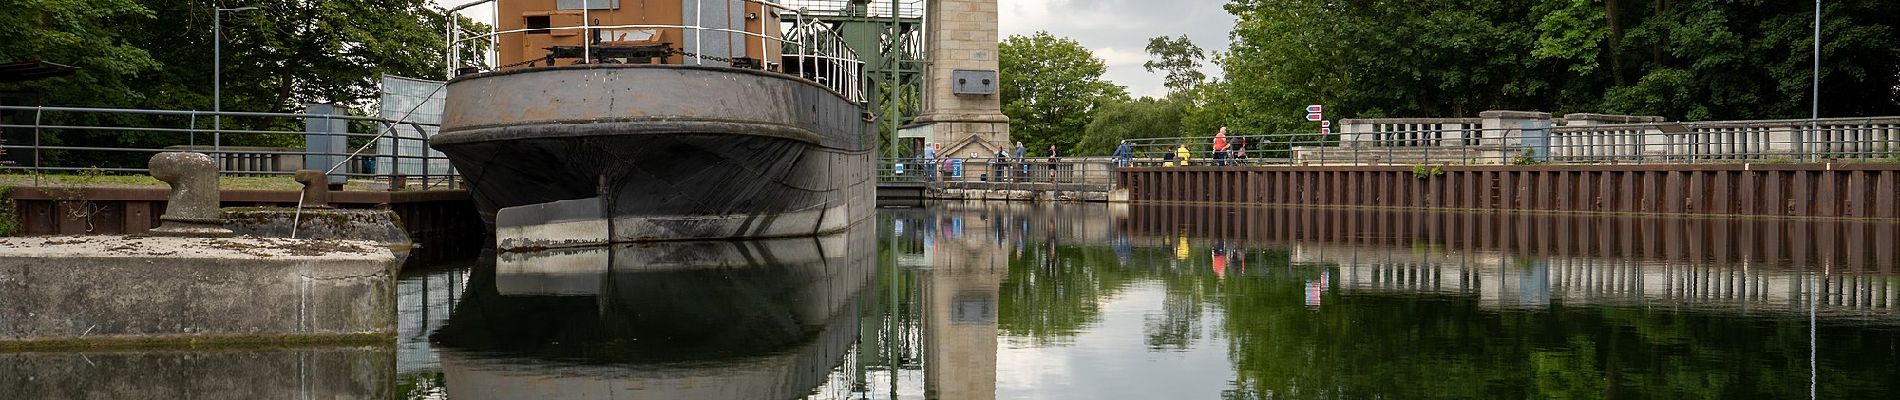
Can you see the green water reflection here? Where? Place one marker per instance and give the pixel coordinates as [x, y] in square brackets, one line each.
[979, 301]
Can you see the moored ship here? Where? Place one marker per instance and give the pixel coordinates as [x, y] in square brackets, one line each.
[671, 120]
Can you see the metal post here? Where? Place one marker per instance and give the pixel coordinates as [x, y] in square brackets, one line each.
[38, 111]
[217, 84]
[698, 41]
[587, 31]
[1814, 112]
[449, 33]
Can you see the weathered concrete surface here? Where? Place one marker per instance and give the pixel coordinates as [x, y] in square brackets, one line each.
[320, 372]
[192, 208]
[94, 290]
[380, 226]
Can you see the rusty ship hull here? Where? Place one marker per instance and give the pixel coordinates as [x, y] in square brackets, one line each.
[595, 154]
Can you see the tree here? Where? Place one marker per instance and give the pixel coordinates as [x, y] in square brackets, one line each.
[87, 34]
[1179, 59]
[1141, 118]
[1051, 89]
[156, 54]
[1680, 59]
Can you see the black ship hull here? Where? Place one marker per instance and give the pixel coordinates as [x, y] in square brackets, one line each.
[586, 155]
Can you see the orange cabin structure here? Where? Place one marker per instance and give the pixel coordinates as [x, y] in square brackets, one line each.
[538, 33]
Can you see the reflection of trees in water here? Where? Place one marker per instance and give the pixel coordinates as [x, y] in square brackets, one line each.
[1440, 346]
[1052, 300]
[1366, 346]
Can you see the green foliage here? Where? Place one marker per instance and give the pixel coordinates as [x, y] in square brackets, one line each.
[1424, 172]
[1180, 59]
[157, 54]
[1141, 118]
[91, 35]
[1684, 60]
[1051, 88]
[9, 218]
[1528, 157]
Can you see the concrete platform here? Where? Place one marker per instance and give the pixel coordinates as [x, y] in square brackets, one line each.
[89, 291]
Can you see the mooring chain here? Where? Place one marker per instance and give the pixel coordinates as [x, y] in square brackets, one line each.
[682, 52]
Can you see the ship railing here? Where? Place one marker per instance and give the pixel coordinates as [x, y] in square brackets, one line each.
[818, 53]
[48, 145]
[1028, 173]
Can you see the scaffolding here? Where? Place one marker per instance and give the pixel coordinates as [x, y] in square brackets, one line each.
[888, 36]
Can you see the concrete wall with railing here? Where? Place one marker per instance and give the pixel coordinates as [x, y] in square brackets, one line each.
[1500, 137]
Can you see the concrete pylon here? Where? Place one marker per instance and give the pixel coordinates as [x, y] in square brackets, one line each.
[962, 106]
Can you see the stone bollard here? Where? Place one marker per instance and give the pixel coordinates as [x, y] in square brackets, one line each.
[192, 208]
[316, 188]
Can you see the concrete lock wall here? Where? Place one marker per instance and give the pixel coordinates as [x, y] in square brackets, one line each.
[90, 290]
[322, 372]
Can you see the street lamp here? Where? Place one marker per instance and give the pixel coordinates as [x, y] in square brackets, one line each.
[217, 70]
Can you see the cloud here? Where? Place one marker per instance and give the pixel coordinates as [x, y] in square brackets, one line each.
[1118, 30]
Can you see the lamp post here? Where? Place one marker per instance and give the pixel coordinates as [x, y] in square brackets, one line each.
[217, 83]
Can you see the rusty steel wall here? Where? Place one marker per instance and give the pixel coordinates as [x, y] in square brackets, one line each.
[1788, 190]
[443, 216]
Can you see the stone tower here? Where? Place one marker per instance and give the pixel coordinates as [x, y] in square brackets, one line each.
[962, 108]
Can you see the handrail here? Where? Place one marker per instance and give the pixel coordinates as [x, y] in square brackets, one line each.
[1853, 139]
[805, 40]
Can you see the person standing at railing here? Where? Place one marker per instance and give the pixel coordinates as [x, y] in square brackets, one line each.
[1124, 154]
[1220, 146]
[930, 162]
[1238, 148]
[1052, 163]
[1181, 154]
[1021, 163]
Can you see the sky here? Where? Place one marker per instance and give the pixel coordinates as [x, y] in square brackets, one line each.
[1116, 30]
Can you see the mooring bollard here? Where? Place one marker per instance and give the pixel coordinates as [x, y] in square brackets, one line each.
[192, 208]
[316, 188]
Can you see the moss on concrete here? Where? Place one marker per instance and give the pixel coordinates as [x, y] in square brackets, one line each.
[197, 342]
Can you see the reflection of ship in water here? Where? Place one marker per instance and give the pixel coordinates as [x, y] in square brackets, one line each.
[1536, 261]
[700, 320]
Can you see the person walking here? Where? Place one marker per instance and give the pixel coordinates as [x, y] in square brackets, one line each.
[1220, 146]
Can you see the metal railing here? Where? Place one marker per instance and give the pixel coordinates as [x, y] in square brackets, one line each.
[1064, 173]
[50, 150]
[806, 48]
[1838, 140]
[854, 8]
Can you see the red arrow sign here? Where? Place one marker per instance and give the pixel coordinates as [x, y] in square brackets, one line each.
[1325, 131]
[1315, 109]
[1326, 124]
[1314, 117]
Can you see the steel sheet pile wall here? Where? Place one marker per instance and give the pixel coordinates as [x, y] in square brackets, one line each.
[1802, 190]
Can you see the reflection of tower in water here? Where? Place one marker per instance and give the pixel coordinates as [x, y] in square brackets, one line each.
[961, 290]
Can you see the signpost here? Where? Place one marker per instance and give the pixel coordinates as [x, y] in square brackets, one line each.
[1317, 113]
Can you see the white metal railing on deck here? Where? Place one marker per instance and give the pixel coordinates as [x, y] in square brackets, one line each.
[819, 53]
